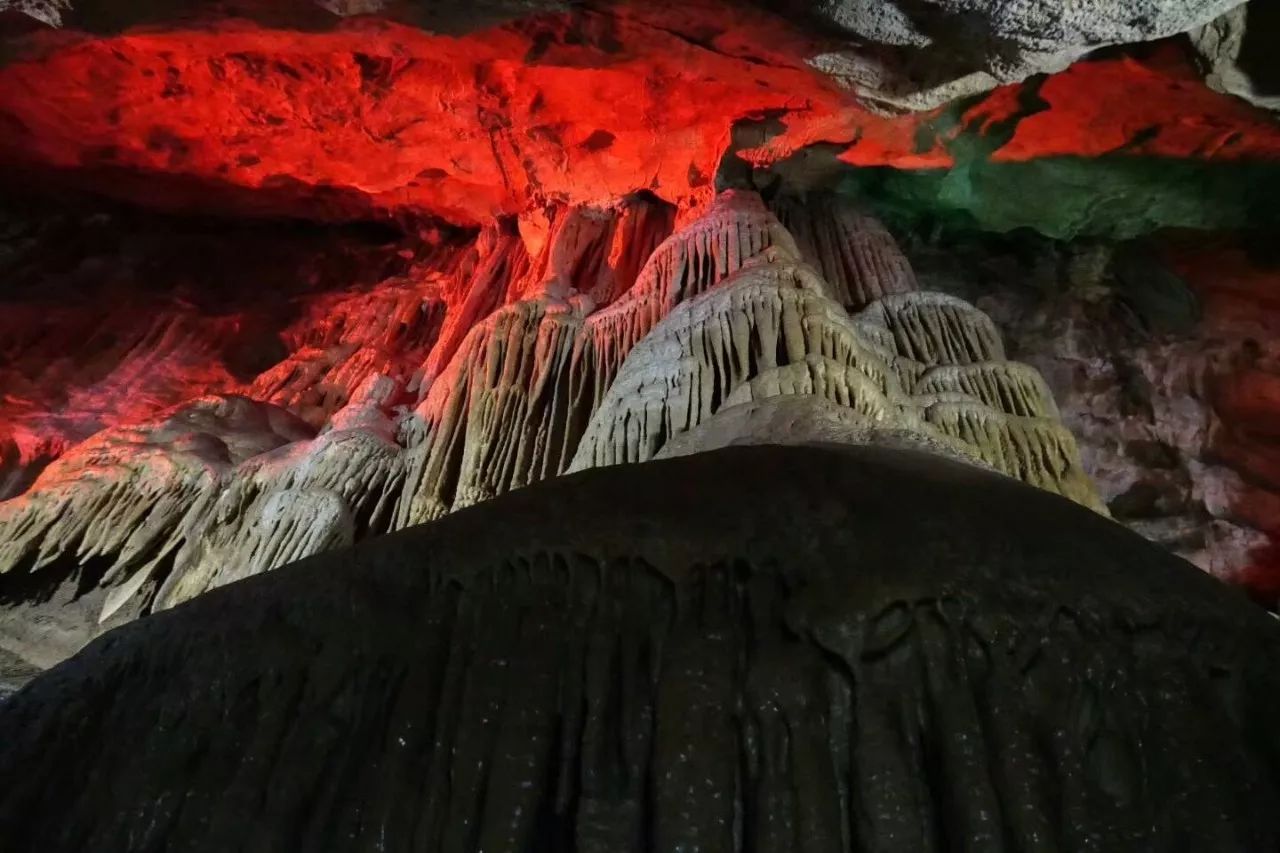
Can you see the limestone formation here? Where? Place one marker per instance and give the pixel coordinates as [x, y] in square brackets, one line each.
[914, 361]
[101, 520]
[527, 377]
[510, 408]
[300, 500]
[924, 54]
[1013, 388]
[933, 328]
[770, 315]
[808, 419]
[1039, 451]
[757, 648]
[901, 54]
[855, 253]
[1228, 66]
[124, 491]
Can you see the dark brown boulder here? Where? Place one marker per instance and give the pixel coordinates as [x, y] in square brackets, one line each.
[757, 648]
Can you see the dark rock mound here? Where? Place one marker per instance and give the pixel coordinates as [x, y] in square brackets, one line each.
[758, 648]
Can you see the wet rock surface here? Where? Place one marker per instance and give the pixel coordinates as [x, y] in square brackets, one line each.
[925, 655]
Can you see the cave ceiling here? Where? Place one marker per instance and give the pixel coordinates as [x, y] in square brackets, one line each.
[393, 111]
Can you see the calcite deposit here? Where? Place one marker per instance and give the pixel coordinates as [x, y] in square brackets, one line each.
[604, 425]
[571, 359]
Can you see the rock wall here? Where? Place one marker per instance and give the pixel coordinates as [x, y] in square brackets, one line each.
[1161, 354]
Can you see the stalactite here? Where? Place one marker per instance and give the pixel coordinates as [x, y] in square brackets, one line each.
[736, 228]
[805, 418]
[852, 250]
[502, 414]
[351, 337]
[819, 376]
[524, 378]
[773, 329]
[299, 500]
[500, 262]
[1039, 451]
[124, 495]
[511, 406]
[1009, 386]
[934, 328]
[771, 315]
[641, 225]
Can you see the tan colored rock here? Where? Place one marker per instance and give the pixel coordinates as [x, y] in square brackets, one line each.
[510, 407]
[773, 313]
[856, 255]
[1010, 387]
[935, 328]
[299, 500]
[122, 495]
[1038, 451]
[807, 419]
[1220, 44]
[724, 336]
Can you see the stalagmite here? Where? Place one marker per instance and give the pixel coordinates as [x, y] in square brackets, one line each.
[755, 648]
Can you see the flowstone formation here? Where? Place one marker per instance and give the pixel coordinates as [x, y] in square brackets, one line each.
[515, 367]
[757, 648]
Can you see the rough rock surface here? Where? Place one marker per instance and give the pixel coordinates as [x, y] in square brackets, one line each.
[910, 360]
[722, 312]
[1161, 356]
[99, 519]
[921, 656]
[1235, 50]
[806, 419]
[941, 50]
[325, 120]
[913, 54]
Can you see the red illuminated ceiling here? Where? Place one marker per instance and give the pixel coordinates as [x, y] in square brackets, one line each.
[376, 118]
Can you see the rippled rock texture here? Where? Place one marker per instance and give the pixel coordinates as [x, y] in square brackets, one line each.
[923, 656]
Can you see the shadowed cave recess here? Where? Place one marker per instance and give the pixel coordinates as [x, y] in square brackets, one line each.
[618, 426]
